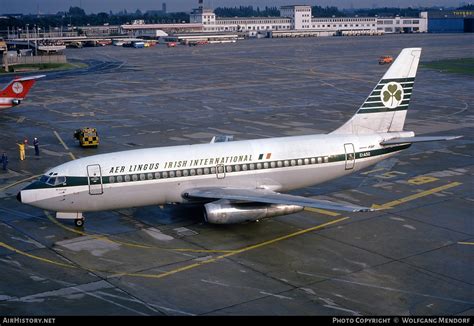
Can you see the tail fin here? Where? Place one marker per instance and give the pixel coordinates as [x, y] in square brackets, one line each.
[17, 90]
[386, 107]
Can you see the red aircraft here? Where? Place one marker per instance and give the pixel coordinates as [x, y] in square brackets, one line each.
[16, 91]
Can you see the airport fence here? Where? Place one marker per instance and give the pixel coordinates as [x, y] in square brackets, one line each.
[28, 60]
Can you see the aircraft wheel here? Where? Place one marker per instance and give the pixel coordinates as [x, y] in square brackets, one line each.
[79, 222]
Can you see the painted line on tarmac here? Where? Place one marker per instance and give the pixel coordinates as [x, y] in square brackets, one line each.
[45, 260]
[416, 196]
[18, 182]
[466, 243]
[239, 251]
[64, 144]
[322, 211]
[105, 237]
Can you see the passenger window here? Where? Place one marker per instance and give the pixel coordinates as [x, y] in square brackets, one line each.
[119, 178]
[134, 177]
[287, 163]
[206, 170]
[178, 173]
[300, 162]
[313, 160]
[293, 162]
[252, 166]
[171, 174]
[199, 171]
[142, 177]
[228, 168]
[164, 175]
[111, 179]
[326, 159]
[149, 176]
[192, 172]
[127, 178]
[157, 175]
[213, 170]
[259, 166]
[265, 165]
[279, 164]
[244, 167]
[306, 161]
[320, 160]
[272, 164]
[185, 173]
[237, 168]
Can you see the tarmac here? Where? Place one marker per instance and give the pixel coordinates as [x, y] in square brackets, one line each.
[413, 257]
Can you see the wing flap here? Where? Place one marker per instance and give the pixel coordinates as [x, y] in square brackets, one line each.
[420, 139]
[269, 197]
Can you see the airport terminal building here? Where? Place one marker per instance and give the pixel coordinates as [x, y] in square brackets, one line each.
[299, 18]
[294, 20]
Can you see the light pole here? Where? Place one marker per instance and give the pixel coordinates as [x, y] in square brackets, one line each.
[27, 36]
[36, 41]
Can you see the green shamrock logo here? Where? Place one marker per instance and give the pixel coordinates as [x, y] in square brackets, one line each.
[392, 95]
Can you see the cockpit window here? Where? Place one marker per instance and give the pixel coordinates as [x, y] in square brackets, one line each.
[59, 181]
[52, 180]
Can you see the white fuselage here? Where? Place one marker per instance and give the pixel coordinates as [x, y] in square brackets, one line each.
[161, 175]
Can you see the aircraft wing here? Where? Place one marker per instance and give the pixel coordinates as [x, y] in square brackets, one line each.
[269, 197]
[405, 140]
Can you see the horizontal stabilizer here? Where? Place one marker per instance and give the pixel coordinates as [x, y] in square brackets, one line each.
[406, 140]
[268, 197]
[29, 78]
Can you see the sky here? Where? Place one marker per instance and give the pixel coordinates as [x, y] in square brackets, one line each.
[94, 6]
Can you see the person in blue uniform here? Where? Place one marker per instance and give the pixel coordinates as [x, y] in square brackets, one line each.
[4, 160]
[36, 144]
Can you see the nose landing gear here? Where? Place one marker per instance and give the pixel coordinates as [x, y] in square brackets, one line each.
[79, 222]
[76, 216]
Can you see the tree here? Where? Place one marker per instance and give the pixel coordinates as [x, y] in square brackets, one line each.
[76, 12]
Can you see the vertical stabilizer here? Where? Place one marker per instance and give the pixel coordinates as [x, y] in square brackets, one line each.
[386, 107]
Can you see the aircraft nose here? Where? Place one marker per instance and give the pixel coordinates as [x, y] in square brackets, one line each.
[19, 196]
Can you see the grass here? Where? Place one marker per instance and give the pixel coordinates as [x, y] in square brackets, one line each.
[456, 66]
[45, 66]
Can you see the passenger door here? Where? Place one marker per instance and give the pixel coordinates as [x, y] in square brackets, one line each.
[350, 156]
[94, 178]
[220, 171]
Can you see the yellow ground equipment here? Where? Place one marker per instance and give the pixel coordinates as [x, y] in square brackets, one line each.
[87, 137]
[385, 59]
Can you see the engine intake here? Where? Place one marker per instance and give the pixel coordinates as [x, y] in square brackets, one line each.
[16, 101]
[225, 212]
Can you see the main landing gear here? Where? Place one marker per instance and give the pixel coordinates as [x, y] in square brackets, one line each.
[79, 222]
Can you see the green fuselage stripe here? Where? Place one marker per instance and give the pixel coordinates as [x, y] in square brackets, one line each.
[271, 165]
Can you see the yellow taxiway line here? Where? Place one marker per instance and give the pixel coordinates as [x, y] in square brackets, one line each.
[18, 182]
[466, 243]
[239, 251]
[45, 260]
[181, 269]
[416, 196]
[105, 237]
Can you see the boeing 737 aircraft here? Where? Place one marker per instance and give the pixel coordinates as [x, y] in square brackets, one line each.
[16, 91]
[238, 181]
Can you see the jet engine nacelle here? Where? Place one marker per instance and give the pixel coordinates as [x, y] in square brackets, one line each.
[16, 101]
[224, 212]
